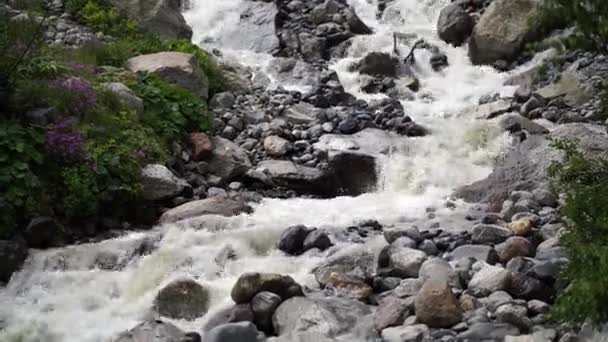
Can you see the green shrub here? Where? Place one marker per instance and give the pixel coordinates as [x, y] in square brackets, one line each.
[583, 181]
[20, 188]
[102, 17]
[80, 192]
[590, 18]
[169, 110]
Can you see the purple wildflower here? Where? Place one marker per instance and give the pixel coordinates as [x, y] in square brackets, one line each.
[83, 68]
[83, 94]
[63, 141]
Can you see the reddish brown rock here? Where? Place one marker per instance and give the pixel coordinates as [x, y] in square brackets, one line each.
[436, 305]
[202, 147]
[515, 246]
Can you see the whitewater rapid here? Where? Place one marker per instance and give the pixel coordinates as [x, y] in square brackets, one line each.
[63, 295]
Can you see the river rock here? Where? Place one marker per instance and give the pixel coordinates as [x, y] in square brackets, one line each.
[296, 177]
[162, 17]
[408, 287]
[503, 30]
[515, 246]
[263, 306]
[182, 299]
[436, 305]
[228, 160]
[276, 146]
[489, 331]
[489, 279]
[44, 232]
[152, 331]
[521, 286]
[218, 205]
[514, 123]
[324, 318]
[514, 314]
[233, 332]
[392, 312]
[202, 147]
[348, 285]
[378, 64]
[250, 284]
[489, 233]
[159, 183]
[178, 68]
[411, 232]
[300, 113]
[406, 262]
[12, 256]
[407, 333]
[437, 268]
[478, 252]
[522, 227]
[317, 239]
[360, 265]
[454, 25]
[292, 239]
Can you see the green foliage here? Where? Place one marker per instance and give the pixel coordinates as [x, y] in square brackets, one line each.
[80, 192]
[102, 17]
[590, 18]
[169, 110]
[19, 186]
[583, 181]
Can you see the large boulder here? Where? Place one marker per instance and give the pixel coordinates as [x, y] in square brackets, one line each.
[250, 284]
[503, 30]
[455, 24]
[126, 96]
[321, 319]
[228, 160]
[488, 280]
[12, 256]
[287, 174]
[359, 265]
[263, 306]
[406, 262]
[379, 64]
[292, 239]
[232, 332]
[178, 68]
[162, 17]
[524, 166]
[158, 182]
[152, 331]
[436, 305]
[217, 205]
[182, 299]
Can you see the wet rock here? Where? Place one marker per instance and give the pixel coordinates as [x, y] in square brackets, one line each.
[182, 299]
[180, 69]
[477, 252]
[317, 239]
[407, 333]
[348, 126]
[392, 312]
[503, 30]
[515, 246]
[454, 25]
[162, 17]
[44, 232]
[378, 64]
[218, 205]
[263, 306]
[228, 161]
[233, 332]
[393, 234]
[516, 123]
[489, 331]
[488, 233]
[489, 279]
[406, 262]
[438, 61]
[276, 146]
[159, 183]
[12, 256]
[152, 331]
[436, 305]
[233, 314]
[296, 177]
[360, 265]
[514, 314]
[202, 147]
[347, 285]
[292, 239]
[323, 318]
[353, 173]
[250, 284]
[493, 109]
[300, 113]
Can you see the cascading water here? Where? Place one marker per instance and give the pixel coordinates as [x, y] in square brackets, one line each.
[67, 295]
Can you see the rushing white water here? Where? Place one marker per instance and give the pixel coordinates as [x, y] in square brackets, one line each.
[63, 295]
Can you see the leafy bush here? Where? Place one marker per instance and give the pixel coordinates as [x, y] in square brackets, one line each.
[589, 16]
[80, 193]
[583, 180]
[19, 186]
[169, 110]
[102, 17]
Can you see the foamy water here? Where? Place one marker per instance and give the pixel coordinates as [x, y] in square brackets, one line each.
[61, 295]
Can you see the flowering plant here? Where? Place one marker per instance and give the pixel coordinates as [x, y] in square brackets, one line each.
[63, 141]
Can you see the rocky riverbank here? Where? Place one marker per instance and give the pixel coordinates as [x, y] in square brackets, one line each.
[489, 273]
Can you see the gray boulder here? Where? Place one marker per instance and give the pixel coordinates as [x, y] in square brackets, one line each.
[178, 68]
[276, 146]
[489, 331]
[159, 183]
[287, 174]
[454, 25]
[321, 317]
[12, 256]
[503, 30]
[379, 64]
[263, 306]
[233, 332]
[162, 17]
[477, 252]
[127, 97]
[182, 299]
[392, 312]
[406, 262]
[515, 123]
[488, 280]
[152, 331]
[360, 265]
[250, 284]
[407, 333]
[292, 239]
[489, 233]
[228, 160]
[218, 205]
